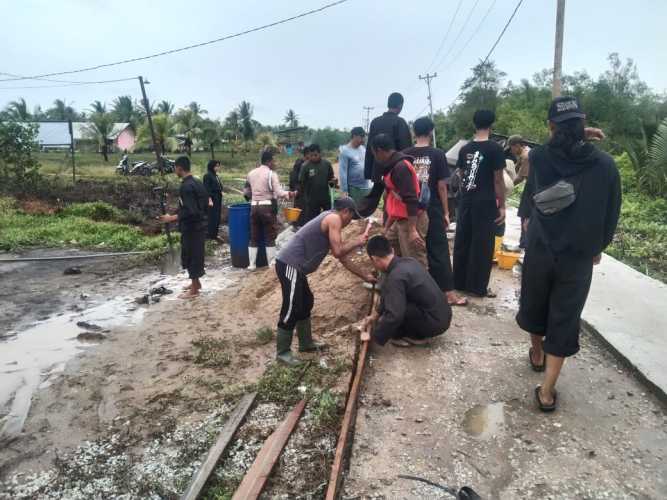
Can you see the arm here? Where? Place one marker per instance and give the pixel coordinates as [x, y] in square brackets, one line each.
[333, 225]
[613, 210]
[499, 186]
[343, 165]
[370, 202]
[442, 192]
[277, 188]
[393, 310]
[404, 138]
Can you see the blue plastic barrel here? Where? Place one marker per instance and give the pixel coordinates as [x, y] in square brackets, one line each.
[239, 236]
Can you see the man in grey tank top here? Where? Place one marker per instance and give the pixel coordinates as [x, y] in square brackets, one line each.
[302, 256]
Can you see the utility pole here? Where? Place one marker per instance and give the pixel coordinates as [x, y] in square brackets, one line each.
[71, 149]
[367, 120]
[158, 154]
[558, 52]
[428, 79]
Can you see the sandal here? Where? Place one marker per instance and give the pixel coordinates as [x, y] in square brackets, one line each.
[534, 366]
[546, 408]
[400, 343]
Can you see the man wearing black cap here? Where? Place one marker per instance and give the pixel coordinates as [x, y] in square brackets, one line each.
[303, 255]
[394, 126]
[575, 199]
[351, 166]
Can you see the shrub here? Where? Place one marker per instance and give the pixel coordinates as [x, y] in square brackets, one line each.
[97, 211]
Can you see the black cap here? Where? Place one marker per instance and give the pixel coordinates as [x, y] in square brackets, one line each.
[358, 131]
[347, 203]
[565, 108]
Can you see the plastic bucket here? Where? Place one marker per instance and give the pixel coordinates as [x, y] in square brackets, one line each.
[506, 260]
[497, 246]
[291, 214]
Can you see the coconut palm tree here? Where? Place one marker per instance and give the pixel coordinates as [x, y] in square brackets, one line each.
[163, 125]
[61, 111]
[165, 107]
[125, 110]
[196, 108]
[18, 111]
[656, 173]
[188, 125]
[245, 116]
[211, 135]
[98, 107]
[100, 128]
[291, 118]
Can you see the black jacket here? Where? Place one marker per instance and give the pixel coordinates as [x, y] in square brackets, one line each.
[192, 205]
[408, 285]
[212, 184]
[395, 126]
[586, 227]
[402, 179]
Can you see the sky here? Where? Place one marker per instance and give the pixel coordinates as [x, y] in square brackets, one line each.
[326, 66]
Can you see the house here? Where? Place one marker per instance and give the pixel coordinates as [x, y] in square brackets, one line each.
[56, 135]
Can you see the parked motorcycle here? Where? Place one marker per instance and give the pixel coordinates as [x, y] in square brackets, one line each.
[125, 167]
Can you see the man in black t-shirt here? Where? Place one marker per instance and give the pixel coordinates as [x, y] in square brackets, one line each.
[481, 207]
[433, 172]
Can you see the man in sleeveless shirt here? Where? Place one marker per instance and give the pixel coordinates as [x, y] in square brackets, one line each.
[302, 256]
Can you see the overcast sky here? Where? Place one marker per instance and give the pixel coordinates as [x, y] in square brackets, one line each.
[326, 66]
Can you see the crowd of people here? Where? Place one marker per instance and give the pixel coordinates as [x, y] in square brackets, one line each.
[569, 210]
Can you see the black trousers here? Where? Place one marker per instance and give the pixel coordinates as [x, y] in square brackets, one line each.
[313, 208]
[473, 246]
[193, 246]
[214, 214]
[554, 289]
[298, 300]
[418, 325]
[437, 250]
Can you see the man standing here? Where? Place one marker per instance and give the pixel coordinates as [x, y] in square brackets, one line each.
[294, 176]
[265, 188]
[575, 193]
[413, 309]
[520, 151]
[315, 179]
[433, 173]
[303, 255]
[351, 166]
[481, 207]
[406, 221]
[192, 223]
[394, 126]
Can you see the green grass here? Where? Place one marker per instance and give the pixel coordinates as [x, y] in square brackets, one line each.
[73, 227]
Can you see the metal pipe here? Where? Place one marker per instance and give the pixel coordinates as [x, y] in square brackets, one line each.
[68, 257]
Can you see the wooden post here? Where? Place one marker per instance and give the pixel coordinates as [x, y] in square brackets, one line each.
[158, 153]
[71, 149]
[558, 52]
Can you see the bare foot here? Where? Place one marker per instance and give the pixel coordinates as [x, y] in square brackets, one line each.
[454, 299]
[188, 295]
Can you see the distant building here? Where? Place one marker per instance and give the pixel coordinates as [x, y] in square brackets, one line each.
[55, 135]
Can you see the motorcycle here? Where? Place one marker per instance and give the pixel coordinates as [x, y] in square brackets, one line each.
[125, 167]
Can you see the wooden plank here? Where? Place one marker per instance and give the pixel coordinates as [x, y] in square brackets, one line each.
[349, 417]
[224, 438]
[255, 479]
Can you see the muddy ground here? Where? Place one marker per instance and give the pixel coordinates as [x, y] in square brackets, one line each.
[133, 412]
[462, 412]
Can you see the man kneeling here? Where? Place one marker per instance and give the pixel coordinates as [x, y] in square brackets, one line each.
[413, 309]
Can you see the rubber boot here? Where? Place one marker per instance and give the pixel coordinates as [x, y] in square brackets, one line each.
[252, 258]
[270, 255]
[284, 348]
[306, 342]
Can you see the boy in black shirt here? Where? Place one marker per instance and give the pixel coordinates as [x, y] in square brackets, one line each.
[192, 222]
[481, 207]
[433, 172]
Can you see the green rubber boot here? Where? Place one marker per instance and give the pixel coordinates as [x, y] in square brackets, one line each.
[306, 342]
[284, 348]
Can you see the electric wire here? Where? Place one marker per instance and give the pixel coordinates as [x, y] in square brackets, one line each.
[71, 84]
[182, 49]
[463, 27]
[444, 39]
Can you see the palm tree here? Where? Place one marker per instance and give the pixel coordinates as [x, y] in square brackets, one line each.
[245, 116]
[18, 111]
[291, 118]
[37, 114]
[61, 111]
[656, 173]
[211, 135]
[163, 125]
[188, 125]
[125, 110]
[100, 128]
[196, 108]
[98, 107]
[165, 107]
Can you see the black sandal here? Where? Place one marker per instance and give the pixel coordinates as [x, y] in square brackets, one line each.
[536, 367]
[544, 407]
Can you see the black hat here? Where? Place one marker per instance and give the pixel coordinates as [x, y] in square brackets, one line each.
[347, 203]
[565, 108]
[358, 131]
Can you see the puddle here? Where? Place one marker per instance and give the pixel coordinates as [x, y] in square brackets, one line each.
[485, 421]
[31, 356]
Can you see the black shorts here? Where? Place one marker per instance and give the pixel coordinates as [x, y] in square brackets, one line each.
[298, 300]
[554, 290]
[193, 246]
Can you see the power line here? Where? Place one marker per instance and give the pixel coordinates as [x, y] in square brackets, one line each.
[182, 49]
[71, 84]
[41, 79]
[509, 21]
[465, 23]
[444, 39]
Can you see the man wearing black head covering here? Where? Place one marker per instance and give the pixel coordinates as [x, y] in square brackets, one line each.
[573, 203]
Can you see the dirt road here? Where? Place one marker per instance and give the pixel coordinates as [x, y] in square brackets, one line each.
[462, 413]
